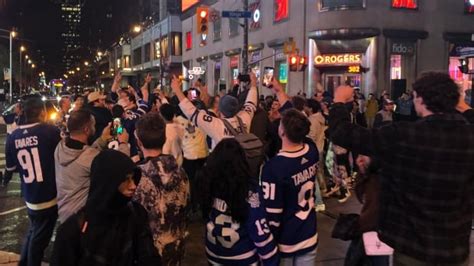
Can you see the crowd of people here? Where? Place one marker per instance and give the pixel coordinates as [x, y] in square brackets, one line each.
[125, 172]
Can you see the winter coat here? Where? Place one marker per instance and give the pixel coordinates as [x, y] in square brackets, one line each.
[110, 229]
[73, 166]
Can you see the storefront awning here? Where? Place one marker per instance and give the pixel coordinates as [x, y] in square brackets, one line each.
[344, 34]
[256, 47]
[216, 56]
[233, 52]
[405, 34]
[464, 38]
[202, 58]
[277, 42]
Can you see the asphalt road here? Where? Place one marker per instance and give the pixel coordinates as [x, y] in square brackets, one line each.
[14, 224]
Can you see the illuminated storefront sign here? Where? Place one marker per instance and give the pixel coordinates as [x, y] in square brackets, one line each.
[283, 73]
[408, 4]
[353, 69]
[256, 15]
[186, 4]
[281, 10]
[469, 6]
[337, 59]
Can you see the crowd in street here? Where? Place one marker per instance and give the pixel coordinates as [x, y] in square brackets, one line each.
[125, 172]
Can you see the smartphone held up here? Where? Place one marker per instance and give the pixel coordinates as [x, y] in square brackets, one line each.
[268, 77]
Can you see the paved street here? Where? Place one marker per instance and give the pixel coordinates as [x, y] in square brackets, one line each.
[14, 223]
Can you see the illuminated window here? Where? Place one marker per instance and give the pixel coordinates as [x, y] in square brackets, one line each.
[186, 4]
[408, 4]
[176, 45]
[157, 49]
[396, 66]
[189, 40]
[469, 6]
[281, 10]
[332, 5]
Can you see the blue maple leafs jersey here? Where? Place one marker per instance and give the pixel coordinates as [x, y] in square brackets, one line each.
[288, 184]
[30, 150]
[231, 243]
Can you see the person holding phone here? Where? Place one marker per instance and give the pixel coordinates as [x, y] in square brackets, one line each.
[73, 158]
[229, 109]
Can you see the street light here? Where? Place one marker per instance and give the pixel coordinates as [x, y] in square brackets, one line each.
[137, 28]
[33, 65]
[26, 57]
[22, 49]
[29, 62]
[99, 54]
[78, 69]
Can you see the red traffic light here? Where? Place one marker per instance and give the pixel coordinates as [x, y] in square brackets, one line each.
[202, 15]
[293, 60]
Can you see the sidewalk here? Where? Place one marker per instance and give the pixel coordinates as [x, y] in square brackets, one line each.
[8, 258]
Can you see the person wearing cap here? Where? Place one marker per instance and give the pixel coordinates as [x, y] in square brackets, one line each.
[101, 114]
[385, 116]
[229, 109]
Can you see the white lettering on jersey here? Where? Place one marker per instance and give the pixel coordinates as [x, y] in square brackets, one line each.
[304, 175]
[26, 142]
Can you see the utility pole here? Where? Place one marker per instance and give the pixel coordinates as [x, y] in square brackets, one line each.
[245, 53]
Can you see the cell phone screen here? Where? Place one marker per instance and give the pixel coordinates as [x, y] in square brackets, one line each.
[193, 94]
[267, 76]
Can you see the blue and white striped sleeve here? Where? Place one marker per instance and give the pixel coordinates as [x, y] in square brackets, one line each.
[273, 199]
[143, 107]
[259, 231]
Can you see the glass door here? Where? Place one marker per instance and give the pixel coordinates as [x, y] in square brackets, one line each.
[332, 81]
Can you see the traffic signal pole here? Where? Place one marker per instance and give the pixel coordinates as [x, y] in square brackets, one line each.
[245, 53]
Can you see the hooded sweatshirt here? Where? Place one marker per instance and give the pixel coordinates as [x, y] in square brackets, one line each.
[110, 229]
[73, 161]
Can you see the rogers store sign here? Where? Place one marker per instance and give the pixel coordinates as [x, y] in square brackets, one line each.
[337, 59]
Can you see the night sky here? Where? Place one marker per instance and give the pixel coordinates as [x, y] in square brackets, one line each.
[39, 22]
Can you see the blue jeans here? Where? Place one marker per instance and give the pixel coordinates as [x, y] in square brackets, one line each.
[39, 234]
[301, 260]
[317, 194]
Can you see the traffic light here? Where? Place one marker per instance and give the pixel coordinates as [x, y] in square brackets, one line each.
[202, 14]
[294, 60]
[302, 64]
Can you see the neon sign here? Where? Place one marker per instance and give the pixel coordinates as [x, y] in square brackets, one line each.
[338, 59]
[408, 4]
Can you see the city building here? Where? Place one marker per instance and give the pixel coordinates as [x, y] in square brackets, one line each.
[372, 45]
[71, 17]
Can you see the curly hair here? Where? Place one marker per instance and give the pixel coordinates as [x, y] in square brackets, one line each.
[226, 176]
[439, 92]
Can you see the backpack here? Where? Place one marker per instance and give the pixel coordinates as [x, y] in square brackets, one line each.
[251, 144]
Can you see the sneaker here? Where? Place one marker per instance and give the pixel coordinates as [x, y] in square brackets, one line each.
[320, 207]
[345, 195]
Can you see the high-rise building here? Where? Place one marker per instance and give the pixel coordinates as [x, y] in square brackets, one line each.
[71, 17]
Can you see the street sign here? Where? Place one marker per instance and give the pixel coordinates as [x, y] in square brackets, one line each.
[236, 14]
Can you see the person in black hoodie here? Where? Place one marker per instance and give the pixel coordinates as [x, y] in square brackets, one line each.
[110, 229]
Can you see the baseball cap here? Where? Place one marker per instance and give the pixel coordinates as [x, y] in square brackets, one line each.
[94, 96]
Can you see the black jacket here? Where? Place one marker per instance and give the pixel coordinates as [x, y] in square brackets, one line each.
[110, 229]
[102, 117]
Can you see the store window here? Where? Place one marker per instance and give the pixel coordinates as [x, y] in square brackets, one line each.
[189, 40]
[233, 27]
[164, 46]
[234, 69]
[464, 81]
[157, 49]
[147, 53]
[176, 45]
[332, 5]
[137, 56]
[406, 4]
[217, 29]
[217, 76]
[281, 11]
[402, 66]
[469, 6]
